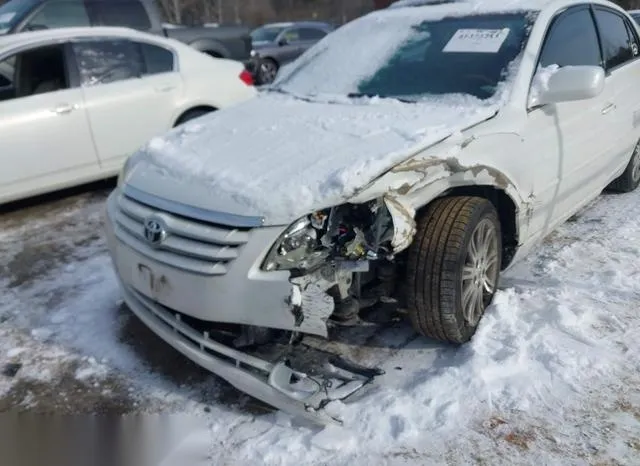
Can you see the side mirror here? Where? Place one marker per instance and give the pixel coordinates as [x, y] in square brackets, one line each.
[566, 84]
[282, 41]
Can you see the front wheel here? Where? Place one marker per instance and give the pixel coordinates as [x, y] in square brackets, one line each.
[453, 267]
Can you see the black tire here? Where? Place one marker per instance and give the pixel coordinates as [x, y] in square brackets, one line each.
[630, 178]
[435, 264]
[192, 115]
[267, 71]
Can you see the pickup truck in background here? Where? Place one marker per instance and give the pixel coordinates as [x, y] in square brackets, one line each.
[232, 42]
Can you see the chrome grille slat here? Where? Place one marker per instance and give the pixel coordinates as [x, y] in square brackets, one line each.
[195, 230]
[191, 245]
[180, 245]
[169, 258]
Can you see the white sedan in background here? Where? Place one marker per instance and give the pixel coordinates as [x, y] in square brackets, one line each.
[75, 102]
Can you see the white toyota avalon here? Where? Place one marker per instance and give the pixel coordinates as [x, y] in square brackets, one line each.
[409, 157]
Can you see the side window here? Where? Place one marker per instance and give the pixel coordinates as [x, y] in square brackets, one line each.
[6, 75]
[107, 61]
[616, 42]
[156, 59]
[36, 71]
[311, 34]
[125, 13]
[291, 35]
[572, 40]
[58, 14]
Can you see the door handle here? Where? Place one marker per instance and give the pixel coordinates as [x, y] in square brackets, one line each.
[608, 108]
[63, 109]
[166, 88]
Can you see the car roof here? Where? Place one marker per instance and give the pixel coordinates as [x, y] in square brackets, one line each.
[321, 24]
[480, 6]
[57, 34]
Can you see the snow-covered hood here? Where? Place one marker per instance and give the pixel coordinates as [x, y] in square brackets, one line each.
[281, 157]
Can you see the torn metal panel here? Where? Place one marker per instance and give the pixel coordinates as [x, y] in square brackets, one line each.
[310, 302]
[404, 224]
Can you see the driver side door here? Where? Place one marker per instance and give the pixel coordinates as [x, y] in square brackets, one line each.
[566, 146]
[45, 139]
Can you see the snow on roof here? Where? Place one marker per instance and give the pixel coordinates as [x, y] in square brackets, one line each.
[30, 37]
[479, 6]
[476, 5]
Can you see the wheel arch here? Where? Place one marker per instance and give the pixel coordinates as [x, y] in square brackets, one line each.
[192, 108]
[406, 204]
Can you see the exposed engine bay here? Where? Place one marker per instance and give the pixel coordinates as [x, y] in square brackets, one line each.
[341, 259]
[341, 263]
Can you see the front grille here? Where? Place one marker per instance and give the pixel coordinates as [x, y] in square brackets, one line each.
[192, 245]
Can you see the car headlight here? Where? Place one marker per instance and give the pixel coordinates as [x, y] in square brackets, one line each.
[348, 232]
[124, 171]
[297, 247]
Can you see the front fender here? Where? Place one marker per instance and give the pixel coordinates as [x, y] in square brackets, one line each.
[454, 163]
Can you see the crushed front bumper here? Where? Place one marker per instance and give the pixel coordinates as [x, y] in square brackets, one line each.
[293, 392]
[160, 293]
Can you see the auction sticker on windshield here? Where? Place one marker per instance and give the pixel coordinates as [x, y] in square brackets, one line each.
[477, 40]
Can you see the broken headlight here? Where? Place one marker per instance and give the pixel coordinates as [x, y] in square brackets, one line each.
[352, 232]
[296, 248]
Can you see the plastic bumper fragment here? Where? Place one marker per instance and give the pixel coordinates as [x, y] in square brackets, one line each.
[295, 392]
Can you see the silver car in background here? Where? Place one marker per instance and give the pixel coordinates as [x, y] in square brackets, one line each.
[280, 43]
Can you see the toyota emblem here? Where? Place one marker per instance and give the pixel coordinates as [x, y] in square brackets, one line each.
[154, 231]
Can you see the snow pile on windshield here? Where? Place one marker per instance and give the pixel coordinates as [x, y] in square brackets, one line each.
[371, 53]
[383, 36]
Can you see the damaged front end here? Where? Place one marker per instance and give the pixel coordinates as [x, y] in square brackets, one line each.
[314, 283]
[341, 258]
[341, 261]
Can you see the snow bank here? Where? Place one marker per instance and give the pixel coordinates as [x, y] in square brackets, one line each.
[562, 331]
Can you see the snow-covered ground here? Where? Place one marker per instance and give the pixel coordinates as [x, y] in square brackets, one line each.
[552, 377]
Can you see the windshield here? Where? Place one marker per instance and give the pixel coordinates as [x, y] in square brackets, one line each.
[266, 33]
[12, 12]
[408, 58]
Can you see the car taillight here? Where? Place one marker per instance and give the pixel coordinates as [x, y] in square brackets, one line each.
[246, 78]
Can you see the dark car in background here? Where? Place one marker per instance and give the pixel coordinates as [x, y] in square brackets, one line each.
[280, 43]
[233, 42]
[635, 14]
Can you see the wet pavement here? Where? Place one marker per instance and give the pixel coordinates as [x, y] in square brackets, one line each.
[41, 241]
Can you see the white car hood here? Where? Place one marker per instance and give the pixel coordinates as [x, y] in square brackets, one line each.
[280, 157]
